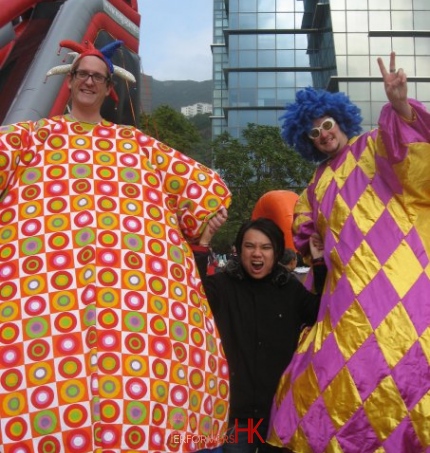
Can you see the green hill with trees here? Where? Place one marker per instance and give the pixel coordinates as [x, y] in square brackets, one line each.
[180, 93]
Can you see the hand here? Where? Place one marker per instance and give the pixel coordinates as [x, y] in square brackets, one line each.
[213, 225]
[396, 89]
[316, 246]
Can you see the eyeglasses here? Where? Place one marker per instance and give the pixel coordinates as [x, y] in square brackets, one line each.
[95, 76]
[326, 125]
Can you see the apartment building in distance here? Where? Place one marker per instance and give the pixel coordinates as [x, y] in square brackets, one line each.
[265, 50]
[193, 110]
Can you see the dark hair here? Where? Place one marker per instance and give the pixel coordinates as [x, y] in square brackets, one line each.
[267, 227]
[288, 256]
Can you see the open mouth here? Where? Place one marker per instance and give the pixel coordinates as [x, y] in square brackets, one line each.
[257, 265]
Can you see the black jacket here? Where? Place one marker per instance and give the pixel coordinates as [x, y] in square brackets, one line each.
[259, 323]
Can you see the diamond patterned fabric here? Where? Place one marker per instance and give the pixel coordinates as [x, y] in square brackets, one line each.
[107, 343]
[360, 379]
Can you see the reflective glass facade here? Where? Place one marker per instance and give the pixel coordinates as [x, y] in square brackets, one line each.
[265, 50]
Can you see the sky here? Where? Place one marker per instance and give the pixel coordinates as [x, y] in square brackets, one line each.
[175, 39]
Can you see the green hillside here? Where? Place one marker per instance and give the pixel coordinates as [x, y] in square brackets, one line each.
[178, 93]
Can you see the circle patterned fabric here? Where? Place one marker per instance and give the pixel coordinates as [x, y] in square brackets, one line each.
[107, 343]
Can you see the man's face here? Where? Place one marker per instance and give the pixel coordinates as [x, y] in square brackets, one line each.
[257, 254]
[291, 265]
[85, 91]
[331, 139]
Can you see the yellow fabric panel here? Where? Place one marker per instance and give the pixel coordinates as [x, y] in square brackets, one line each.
[362, 268]
[397, 211]
[342, 398]
[425, 343]
[338, 217]
[307, 336]
[367, 210]
[300, 443]
[352, 330]
[323, 331]
[323, 183]
[343, 172]
[302, 206]
[273, 439]
[420, 416]
[283, 388]
[367, 159]
[383, 417]
[403, 258]
[416, 171]
[336, 271]
[334, 447]
[394, 342]
[304, 399]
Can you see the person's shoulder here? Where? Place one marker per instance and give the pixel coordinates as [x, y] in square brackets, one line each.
[41, 123]
[282, 277]
[128, 127]
[223, 273]
[7, 128]
[218, 279]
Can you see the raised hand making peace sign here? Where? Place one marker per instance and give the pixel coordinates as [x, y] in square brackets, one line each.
[395, 83]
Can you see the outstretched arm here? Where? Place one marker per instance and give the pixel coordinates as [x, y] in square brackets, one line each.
[396, 89]
[202, 249]
[213, 225]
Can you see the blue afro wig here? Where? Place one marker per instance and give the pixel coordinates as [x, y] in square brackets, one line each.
[312, 104]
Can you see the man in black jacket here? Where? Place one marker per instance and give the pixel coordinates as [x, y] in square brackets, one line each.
[259, 310]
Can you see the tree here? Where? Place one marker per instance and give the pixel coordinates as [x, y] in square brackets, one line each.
[202, 153]
[175, 130]
[258, 163]
[202, 122]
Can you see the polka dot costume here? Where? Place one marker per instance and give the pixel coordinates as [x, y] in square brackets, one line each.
[107, 343]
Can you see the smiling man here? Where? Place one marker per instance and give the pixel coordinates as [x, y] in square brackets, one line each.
[89, 83]
[107, 342]
[360, 382]
[328, 136]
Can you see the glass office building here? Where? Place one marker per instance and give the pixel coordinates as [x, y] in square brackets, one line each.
[266, 50]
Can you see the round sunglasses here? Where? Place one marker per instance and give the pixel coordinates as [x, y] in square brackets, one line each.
[326, 125]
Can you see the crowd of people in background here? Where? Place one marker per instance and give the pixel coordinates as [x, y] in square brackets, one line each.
[218, 261]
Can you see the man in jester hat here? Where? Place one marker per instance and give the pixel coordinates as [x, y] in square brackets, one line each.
[107, 342]
[360, 379]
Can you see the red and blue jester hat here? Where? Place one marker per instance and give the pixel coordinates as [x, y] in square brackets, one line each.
[88, 49]
[311, 104]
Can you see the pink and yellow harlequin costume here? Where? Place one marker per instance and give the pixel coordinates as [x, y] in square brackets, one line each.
[360, 380]
[107, 343]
